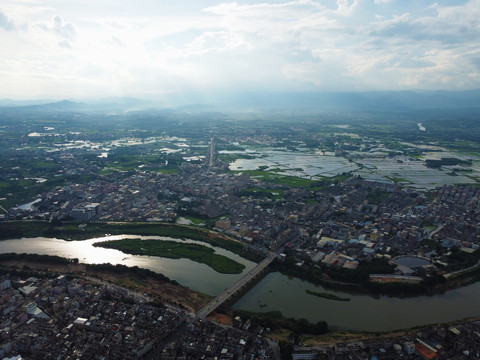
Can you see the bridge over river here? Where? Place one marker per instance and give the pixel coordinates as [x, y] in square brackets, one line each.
[240, 283]
[212, 305]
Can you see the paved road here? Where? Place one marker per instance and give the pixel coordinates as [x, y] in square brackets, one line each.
[220, 299]
[130, 293]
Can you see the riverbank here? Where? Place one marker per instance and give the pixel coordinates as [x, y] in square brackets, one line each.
[156, 286]
[310, 336]
[279, 292]
[355, 281]
[358, 281]
[343, 336]
[72, 231]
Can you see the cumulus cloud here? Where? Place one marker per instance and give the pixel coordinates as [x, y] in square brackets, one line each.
[288, 44]
[118, 42]
[5, 22]
[64, 30]
[345, 7]
[65, 44]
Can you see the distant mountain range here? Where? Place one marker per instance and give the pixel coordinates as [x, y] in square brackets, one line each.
[273, 101]
[362, 101]
[104, 105]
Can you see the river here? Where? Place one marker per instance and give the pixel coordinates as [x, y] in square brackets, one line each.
[279, 292]
[196, 276]
[275, 291]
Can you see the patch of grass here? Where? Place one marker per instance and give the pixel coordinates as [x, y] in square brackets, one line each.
[169, 171]
[108, 171]
[175, 250]
[377, 196]
[294, 181]
[232, 157]
[261, 193]
[195, 221]
[45, 165]
[397, 179]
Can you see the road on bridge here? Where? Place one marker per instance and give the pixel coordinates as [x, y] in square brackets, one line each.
[220, 299]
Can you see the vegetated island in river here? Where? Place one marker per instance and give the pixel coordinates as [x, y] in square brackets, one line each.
[175, 250]
[327, 296]
[71, 231]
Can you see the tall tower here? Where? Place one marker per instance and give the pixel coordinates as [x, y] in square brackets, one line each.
[212, 152]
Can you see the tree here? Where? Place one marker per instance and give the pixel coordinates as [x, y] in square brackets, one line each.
[321, 327]
[285, 350]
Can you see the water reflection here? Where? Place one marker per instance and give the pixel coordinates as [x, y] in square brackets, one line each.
[304, 165]
[196, 276]
[362, 312]
[275, 291]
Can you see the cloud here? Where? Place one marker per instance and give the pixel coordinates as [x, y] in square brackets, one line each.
[5, 22]
[434, 28]
[345, 7]
[65, 44]
[64, 30]
[118, 42]
[270, 44]
[57, 32]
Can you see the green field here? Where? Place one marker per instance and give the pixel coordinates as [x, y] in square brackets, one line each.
[293, 181]
[175, 250]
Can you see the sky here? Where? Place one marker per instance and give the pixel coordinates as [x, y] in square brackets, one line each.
[61, 49]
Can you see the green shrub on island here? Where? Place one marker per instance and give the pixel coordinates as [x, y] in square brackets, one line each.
[69, 231]
[175, 250]
[326, 296]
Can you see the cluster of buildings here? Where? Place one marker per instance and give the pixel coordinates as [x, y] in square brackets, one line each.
[63, 318]
[455, 342]
[341, 225]
[206, 340]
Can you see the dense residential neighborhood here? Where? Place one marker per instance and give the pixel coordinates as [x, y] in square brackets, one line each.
[324, 211]
[341, 224]
[63, 318]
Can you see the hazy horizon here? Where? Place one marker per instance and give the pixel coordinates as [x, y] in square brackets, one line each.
[155, 49]
[462, 102]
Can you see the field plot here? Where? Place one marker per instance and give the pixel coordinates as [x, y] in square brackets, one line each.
[409, 172]
[299, 164]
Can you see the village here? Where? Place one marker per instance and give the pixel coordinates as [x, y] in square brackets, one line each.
[65, 318]
[340, 225]
[70, 318]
